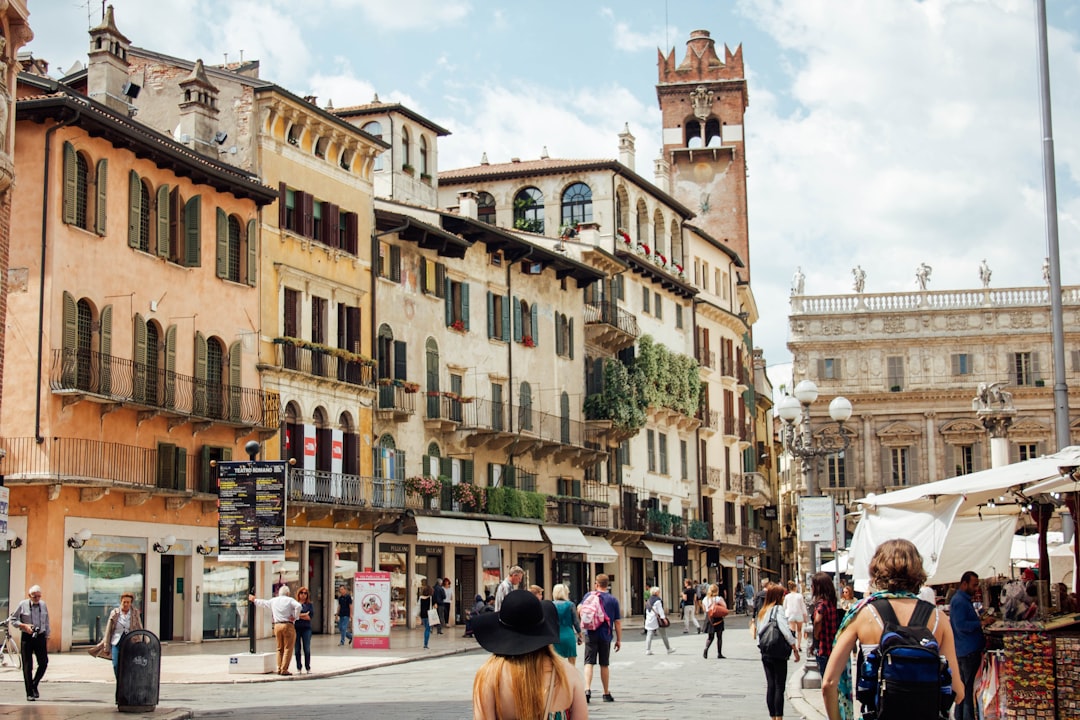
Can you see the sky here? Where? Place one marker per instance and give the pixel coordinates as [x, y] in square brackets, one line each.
[880, 133]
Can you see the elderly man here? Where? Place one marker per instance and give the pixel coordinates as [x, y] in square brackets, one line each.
[285, 611]
[512, 581]
[31, 616]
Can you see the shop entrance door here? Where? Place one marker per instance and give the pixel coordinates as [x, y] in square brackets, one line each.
[465, 585]
[316, 584]
[168, 585]
[637, 581]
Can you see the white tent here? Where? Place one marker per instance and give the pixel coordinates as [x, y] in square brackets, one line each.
[839, 565]
[958, 524]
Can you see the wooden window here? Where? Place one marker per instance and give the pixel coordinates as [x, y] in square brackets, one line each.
[138, 213]
[529, 210]
[390, 262]
[899, 465]
[961, 364]
[650, 442]
[829, 368]
[80, 187]
[835, 471]
[1026, 368]
[1027, 451]
[406, 161]
[646, 297]
[457, 304]
[432, 277]
[577, 206]
[684, 460]
[678, 316]
[658, 309]
[895, 367]
[485, 209]
[171, 467]
[526, 322]
[525, 418]
[662, 446]
[498, 314]
[424, 170]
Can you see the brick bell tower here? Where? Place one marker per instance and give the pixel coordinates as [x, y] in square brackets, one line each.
[702, 104]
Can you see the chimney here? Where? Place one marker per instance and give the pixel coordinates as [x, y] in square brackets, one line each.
[467, 206]
[626, 147]
[662, 173]
[107, 79]
[589, 233]
[199, 112]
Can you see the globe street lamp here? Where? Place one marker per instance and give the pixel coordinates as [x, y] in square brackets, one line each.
[803, 444]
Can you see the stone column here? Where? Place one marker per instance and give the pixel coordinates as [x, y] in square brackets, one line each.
[931, 447]
[997, 424]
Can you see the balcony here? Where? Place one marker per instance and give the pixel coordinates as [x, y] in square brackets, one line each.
[843, 496]
[443, 413]
[710, 420]
[609, 326]
[95, 377]
[577, 511]
[750, 538]
[728, 532]
[714, 478]
[730, 427]
[755, 486]
[395, 403]
[541, 434]
[706, 358]
[322, 362]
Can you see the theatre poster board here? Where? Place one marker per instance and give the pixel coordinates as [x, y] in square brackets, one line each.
[251, 510]
[371, 610]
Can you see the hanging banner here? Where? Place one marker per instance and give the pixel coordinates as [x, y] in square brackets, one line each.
[371, 610]
[251, 510]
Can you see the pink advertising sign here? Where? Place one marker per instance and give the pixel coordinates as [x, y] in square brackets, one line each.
[371, 610]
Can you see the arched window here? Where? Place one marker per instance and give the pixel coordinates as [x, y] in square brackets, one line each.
[424, 156]
[525, 407]
[676, 246]
[350, 446]
[295, 131]
[294, 434]
[84, 353]
[385, 356]
[321, 146]
[82, 173]
[529, 210]
[642, 222]
[434, 401]
[389, 463]
[527, 335]
[152, 362]
[712, 133]
[406, 163]
[374, 128]
[485, 208]
[324, 444]
[693, 134]
[144, 216]
[80, 187]
[622, 208]
[433, 461]
[658, 232]
[577, 204]
[234, 249]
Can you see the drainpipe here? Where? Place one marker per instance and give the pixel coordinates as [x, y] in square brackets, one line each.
[697, 433]
[510, 363]
[41, 281]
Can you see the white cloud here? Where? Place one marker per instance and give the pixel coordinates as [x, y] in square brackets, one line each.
[429, 15]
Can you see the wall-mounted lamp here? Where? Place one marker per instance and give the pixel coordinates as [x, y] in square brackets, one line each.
[208, 546]
[79, 539]
[165, 545]
[15, 542]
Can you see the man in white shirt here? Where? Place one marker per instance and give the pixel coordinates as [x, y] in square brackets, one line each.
[448, 601]
[285, 611]
[511, 582]
[32, 617]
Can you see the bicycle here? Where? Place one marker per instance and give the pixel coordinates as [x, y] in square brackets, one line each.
[9, 650]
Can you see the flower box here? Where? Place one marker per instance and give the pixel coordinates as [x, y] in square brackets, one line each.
[528, 341]
[458, 325]
[410, 387]
[424, 486]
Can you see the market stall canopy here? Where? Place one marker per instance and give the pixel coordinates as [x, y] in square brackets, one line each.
[661, 552]
[450, 531]
[567, 539]
[600, 550]
[839, 565]
[514, 531]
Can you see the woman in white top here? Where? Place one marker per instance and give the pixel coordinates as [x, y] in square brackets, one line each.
[715, 626]
[795, 609]
[122, 620]
[654, 613]
[776, 668]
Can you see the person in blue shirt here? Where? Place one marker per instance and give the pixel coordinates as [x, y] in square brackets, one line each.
[967, 630]
[598, 641]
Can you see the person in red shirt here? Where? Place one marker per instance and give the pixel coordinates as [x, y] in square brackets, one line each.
[826, 618]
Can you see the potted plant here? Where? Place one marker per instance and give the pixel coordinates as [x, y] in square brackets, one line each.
[410, 387]
[458, 325]
[423, 486]
[528, 341]
[472, 498]
[407, 169]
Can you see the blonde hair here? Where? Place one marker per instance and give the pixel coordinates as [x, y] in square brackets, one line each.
[527, 682]
[897, 567]
[560, 592]
[654, 590]
[714, 590]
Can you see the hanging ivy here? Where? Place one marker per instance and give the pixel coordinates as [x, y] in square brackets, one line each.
[666, 379]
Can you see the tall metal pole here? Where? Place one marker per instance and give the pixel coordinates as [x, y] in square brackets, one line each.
[1061, 391]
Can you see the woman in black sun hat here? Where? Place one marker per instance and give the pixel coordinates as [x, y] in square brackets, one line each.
[524, 679]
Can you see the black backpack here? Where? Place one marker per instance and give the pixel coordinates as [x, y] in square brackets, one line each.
[905, 676]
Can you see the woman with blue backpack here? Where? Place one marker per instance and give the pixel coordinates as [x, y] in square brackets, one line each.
[906, 647]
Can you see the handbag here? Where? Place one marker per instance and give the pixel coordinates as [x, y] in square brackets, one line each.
[664, 622]
[433, 616]
[771, 640]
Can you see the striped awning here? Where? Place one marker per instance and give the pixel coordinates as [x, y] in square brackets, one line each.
[600, 550]
[661, 552]
[567, 539]
[514, 531]
[450, 531]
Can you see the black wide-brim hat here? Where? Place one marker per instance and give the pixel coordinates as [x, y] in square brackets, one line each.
[523, 625]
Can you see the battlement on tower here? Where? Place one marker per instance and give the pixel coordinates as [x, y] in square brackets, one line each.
[701, 62]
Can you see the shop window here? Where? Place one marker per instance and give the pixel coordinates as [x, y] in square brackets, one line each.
[105, 567]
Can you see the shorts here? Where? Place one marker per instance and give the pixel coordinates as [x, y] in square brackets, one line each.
[596, 649]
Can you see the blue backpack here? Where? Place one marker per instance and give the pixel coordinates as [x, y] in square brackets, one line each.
[905, 676]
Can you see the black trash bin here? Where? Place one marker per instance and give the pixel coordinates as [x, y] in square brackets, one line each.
[138, 679]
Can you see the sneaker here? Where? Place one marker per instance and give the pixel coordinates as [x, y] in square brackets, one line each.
[588, 696]
[670, 651]
[686, 632]
[721, 657]
[648, 652]
[608, 698]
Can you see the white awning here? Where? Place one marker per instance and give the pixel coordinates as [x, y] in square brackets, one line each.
[727, 561]
[600, 550]
[567, 539]
[450, 531]
[514, 531]
[661, 552]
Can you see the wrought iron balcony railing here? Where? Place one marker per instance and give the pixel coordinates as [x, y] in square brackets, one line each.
[86, 371]
[320, 363]
[483, 414]
[750, 538]
[397, 399]
[710, 419]
[577, 511]
[610, 313]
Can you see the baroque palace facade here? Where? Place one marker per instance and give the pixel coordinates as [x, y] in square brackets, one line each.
[914, 366]
[562, 347]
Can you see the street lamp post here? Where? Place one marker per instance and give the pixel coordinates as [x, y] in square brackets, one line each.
[803, 445]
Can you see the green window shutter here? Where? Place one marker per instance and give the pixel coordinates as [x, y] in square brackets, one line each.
[236, 354]
[252, 253]
[101, 177]
[139, 378]
[222, 263]
[71, 171]
[440, 275]
[205, 471]
[193, 232]
[166, 465]
[535, 316]
[506, 318]
[199, 395]
[170, 367]
[491, 314]
[558, 334]
[467, 471]
[465, 304]
[570, 339]
[424, 262]
[226, 454]
[446, 467]
[448, 302]
[425, 463]
[134, 208]
[181, 468]
[70, 342]
[517, 319]
[395, 263]
[163, 221]
[106, 350]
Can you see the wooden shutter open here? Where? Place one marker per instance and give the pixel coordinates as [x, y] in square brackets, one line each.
[163, 221]
[252, 252]
[134, 208]
[139, 378]
[236, 354]
[105, 338]
[170, 366]
[71, 183]
[193, 232]
[282, 217]
[465, 304]
[222, 262]
[199, 394]
[101, 181]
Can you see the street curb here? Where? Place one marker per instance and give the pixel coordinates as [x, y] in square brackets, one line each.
[799, 699]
